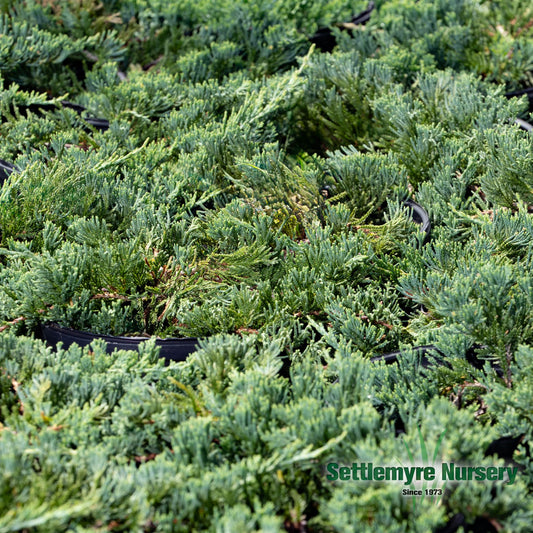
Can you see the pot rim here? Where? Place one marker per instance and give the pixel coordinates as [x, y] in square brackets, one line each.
[134, 340]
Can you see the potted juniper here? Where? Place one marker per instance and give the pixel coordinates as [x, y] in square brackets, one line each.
[235, 270]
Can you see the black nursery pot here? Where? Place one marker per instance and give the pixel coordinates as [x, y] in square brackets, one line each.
[471, 357]
[527, 92]
[324, 39]
[504, 447]
[99, 123]
[171, 349]
[524, 125]
[5, 170]
[480, 525]
[418, 213]
[392, 357]
[420, 216]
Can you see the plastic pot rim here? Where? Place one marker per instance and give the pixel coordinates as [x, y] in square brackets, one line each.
[523, 124]
[528, 91]
[57, 327]
[416, 209]
[324, 39]
[6, 169]
[422, 214]
[172, 348]
[101, 124]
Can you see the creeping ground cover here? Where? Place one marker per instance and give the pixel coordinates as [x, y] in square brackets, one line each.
[243, 173]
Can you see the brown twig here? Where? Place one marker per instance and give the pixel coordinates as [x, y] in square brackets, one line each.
[12, 323]
[524, 28]
[380, 322]
[145, 458]
[109, 296]
[459, 398]
[153, 63]
[242, 330]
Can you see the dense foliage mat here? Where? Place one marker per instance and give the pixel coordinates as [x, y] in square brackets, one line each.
[214, 170]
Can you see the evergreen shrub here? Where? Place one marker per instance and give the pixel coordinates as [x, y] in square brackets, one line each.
[250, 190]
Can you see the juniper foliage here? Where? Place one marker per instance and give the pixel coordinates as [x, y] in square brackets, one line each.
[249, 191]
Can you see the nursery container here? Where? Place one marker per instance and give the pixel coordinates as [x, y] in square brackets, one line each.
[480, 525]
[418, 213]
[420, 216]
[504, 447]
[172, 349]
[5, 170]
[524, 125]
[527, 92]
[99, 123]
[324, 39]
[392, 357]
[470, 356]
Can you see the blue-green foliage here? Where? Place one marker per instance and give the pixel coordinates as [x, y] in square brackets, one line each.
[249, 191]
